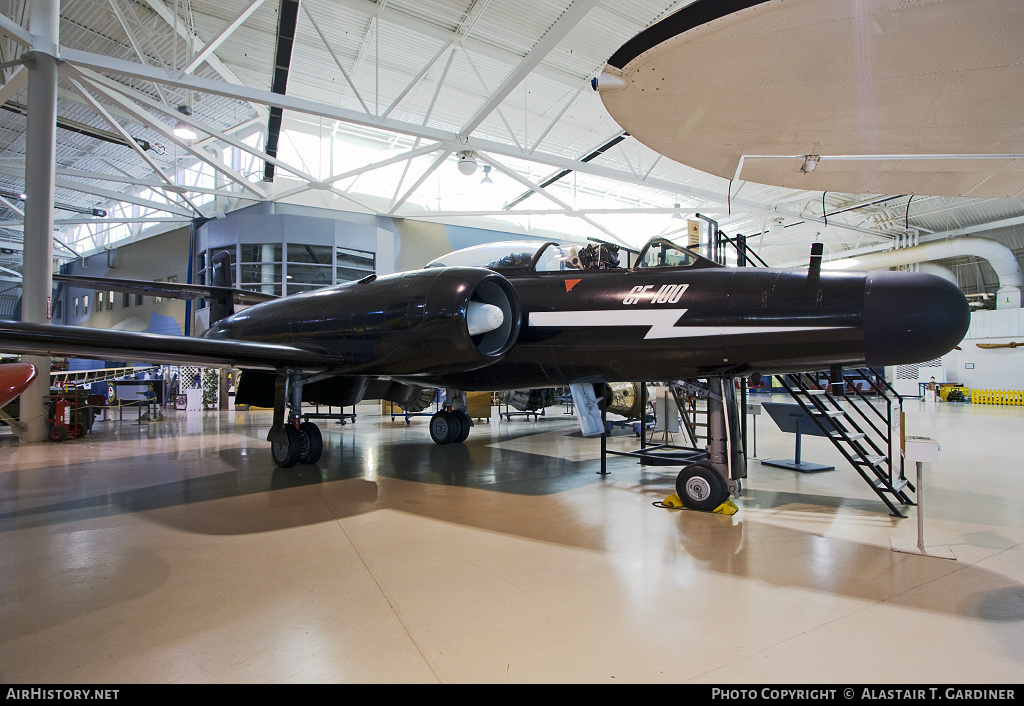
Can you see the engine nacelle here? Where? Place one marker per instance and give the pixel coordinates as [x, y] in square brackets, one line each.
[413, 323]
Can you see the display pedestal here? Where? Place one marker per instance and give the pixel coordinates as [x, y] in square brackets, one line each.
[792, 418]
[194, 400]
[921, 449]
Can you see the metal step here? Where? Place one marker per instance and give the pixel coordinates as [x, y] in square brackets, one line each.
[897, 486]
[880, 479]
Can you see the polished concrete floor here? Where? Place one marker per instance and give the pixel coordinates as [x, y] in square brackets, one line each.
[174, 552]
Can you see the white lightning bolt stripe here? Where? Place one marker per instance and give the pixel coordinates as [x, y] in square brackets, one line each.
[661, 322]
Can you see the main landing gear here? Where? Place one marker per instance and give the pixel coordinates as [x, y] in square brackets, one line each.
[707, 484]
[304, 444]
[291, 440]
[701, 487]
[451, 426]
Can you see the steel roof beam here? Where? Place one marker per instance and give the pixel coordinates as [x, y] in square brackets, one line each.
[15, 31]
[168, 16]
[124, 133]
[134, 42]
[563, 25]
[126, 68]
[204, 53]
[387, 13]
[99, 79]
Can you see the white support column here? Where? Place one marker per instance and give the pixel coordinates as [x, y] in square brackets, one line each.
[41, 140]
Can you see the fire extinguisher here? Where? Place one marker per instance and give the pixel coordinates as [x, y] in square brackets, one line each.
[61, 420]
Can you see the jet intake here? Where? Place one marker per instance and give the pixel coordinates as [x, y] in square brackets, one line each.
[410, 324]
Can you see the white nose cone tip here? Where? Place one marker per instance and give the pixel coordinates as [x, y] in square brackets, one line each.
[481, 318]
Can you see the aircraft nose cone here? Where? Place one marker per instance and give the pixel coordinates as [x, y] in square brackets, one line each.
[911, 317]
[481, 318]
[14, 378]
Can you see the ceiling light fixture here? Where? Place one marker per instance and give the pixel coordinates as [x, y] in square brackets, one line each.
[487, 181]
[677, 215]
[467, 162]
[183, 129]
[810, 162]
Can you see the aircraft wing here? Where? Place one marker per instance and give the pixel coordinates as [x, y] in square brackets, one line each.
[171, 290]
[102, 344]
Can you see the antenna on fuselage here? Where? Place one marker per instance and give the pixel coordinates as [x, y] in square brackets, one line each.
[814, 267]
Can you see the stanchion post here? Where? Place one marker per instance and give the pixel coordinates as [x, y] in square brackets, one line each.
[921, 449]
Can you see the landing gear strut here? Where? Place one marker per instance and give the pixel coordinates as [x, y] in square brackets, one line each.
[291, 440]
[707, 484]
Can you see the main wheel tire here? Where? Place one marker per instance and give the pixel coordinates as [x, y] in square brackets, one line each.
[77, 430]
[465, 423]
[312, 443]
[444, 427]
[286, 454]
[701, 487]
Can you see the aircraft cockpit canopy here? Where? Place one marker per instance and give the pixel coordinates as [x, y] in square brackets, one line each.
[538, 255]
[660, 252]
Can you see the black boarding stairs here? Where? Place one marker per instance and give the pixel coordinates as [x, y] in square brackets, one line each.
[862, 430]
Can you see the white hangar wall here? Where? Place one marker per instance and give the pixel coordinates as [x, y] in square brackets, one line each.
[990, 368]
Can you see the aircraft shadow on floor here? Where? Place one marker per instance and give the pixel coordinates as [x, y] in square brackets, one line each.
[456, 484]
[242, 472]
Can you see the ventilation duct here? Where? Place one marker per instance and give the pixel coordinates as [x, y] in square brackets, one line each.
[939, 271]
[1000, 257]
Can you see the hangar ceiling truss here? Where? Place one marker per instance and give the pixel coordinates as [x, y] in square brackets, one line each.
[504, 81]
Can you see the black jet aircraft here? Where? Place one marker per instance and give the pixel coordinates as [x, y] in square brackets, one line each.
[530, 315]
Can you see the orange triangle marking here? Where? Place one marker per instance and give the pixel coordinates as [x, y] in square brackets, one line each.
[570, 283]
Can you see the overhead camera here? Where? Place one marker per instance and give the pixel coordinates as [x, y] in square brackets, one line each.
[467, 162]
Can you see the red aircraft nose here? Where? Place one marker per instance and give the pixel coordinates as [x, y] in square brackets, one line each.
[14, 378]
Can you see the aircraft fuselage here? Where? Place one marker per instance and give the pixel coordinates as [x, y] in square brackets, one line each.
[620, 325]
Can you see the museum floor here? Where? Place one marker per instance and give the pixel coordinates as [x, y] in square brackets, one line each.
[174, 552]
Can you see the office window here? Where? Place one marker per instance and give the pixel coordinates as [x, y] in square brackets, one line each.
[126, 300]
[309, 254]
[110, 300]
[85, 305]
[76, 306]
[260, 252]
[353, 264]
